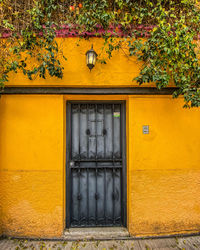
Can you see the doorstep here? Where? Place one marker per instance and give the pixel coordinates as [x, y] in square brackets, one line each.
[96, 233]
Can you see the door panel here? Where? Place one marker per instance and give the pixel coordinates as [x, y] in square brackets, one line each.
[95, 168]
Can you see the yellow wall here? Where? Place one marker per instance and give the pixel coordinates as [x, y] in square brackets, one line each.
[119, 71]
[31, 163]
[163, 169]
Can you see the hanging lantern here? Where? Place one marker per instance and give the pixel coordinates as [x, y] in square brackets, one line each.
[91, 57]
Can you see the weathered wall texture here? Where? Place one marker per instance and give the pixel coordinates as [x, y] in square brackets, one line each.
[163, 169]
[118, 72]
[31, 165]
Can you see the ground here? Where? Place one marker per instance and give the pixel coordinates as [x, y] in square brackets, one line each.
[183, 243]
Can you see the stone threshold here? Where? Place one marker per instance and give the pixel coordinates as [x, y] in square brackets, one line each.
[96, 233]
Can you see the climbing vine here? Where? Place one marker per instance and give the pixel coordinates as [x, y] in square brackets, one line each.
[163, 35]
[30, 46]
[170, 54]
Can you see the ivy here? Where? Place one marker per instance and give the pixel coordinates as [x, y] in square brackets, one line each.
[163, 35]
[170, 55]
[34, 50]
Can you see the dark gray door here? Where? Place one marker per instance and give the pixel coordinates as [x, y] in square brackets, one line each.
[95, 167]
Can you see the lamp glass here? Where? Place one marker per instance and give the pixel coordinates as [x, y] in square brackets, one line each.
[91, 56]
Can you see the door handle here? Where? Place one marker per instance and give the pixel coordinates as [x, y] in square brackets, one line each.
[71, 164]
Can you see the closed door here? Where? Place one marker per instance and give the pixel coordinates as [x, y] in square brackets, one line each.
[96, 165]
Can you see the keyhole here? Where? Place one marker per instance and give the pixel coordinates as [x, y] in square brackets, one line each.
[104, 131]
[87, 131]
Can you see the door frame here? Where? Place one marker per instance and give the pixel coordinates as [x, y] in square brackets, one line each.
[68, 152]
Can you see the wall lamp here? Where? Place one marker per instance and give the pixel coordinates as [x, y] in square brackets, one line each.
[91, 57]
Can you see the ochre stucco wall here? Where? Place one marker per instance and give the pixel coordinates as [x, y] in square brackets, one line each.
[163, 171]
[31, 164]
[118, 72]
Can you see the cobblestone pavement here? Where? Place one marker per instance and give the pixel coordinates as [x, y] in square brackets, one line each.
[183, 243]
